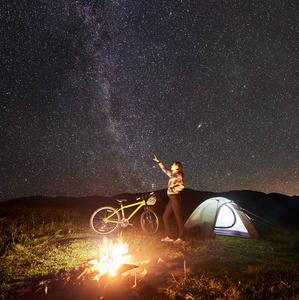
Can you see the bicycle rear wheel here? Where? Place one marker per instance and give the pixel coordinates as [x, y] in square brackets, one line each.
[99, 223]
[149, 222]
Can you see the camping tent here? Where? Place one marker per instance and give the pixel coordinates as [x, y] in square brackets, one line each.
[221, 216]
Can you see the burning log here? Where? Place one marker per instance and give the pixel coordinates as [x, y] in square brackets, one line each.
[125, 267]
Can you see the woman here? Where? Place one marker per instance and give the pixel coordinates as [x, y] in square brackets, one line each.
[175, 186]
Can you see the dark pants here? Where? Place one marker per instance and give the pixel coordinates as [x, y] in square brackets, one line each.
[174, 206]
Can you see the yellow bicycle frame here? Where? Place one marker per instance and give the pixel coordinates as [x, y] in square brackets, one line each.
[122, 209]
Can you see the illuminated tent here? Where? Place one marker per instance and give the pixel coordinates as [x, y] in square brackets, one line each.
[222, 216]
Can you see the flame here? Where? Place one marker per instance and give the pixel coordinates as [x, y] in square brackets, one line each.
[112, 256]
[144, 272]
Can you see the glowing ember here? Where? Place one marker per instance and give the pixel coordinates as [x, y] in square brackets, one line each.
[112, 256]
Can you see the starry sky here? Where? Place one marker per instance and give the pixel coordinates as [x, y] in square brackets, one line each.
[91, 90]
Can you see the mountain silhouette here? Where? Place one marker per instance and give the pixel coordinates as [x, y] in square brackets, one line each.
[278, 209]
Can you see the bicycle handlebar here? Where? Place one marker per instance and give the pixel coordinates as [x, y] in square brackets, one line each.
[145, 197]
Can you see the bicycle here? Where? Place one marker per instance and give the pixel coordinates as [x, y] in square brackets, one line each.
[106, 219]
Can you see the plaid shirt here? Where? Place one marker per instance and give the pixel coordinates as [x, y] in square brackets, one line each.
[175, 183]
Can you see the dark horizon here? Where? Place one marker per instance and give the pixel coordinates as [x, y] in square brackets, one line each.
[145, 192]
[267, 209]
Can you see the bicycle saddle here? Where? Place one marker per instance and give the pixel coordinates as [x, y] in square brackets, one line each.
[120, 200]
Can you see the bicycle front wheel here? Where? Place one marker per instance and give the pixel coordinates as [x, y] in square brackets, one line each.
[149, 222]
[99, 222]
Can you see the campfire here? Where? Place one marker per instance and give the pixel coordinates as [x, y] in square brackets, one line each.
[115, 274]
[113, 255]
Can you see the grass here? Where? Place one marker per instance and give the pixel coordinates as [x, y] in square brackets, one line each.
[236, 268]
[39, 242]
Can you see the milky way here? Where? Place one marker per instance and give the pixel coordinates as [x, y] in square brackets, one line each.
[92, 90]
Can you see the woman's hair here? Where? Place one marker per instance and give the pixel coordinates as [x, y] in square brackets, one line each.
[180, 169]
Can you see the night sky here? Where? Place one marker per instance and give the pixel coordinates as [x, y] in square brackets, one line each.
[92, 90]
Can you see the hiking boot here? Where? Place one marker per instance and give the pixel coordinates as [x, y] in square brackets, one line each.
[167, 239]
[179, 241]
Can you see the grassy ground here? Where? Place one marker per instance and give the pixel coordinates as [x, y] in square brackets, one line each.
[37, 242]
